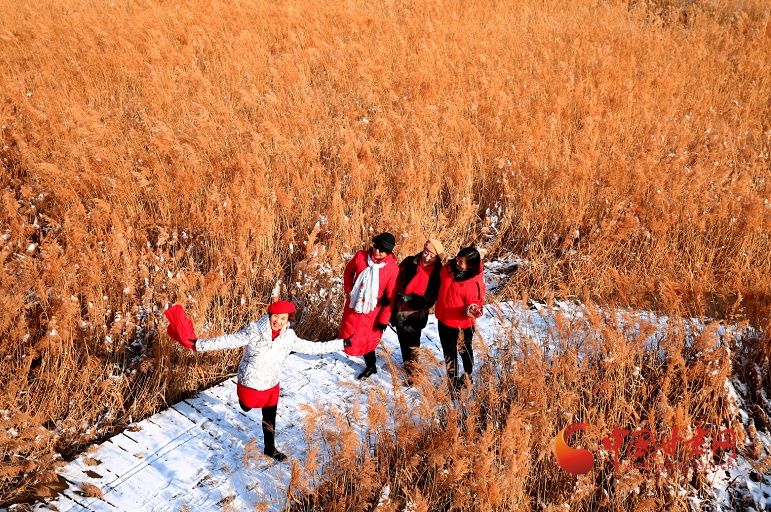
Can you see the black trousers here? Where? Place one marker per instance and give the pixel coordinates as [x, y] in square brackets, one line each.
[448, 336]
[409, 340]
[268, 426]
[370, 359]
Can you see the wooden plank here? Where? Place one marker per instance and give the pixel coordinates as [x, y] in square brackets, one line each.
[72, 498]
[162, 430]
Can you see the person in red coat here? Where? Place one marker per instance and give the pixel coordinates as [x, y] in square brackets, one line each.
[417, 289]
[461, 297]
[370, 286]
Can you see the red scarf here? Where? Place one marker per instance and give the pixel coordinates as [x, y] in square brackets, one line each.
[274, 334]
[419, 283]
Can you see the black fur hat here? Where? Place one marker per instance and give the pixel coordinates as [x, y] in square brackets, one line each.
[385, 241]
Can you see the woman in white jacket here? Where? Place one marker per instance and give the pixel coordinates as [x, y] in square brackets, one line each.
[268, 342]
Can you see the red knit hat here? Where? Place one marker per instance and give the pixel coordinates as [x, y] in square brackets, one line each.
[281, 306]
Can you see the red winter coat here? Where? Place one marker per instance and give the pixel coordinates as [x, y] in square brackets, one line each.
[456, 296]
[362, 326]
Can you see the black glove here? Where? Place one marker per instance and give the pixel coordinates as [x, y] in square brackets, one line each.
[347, 341]
[380, 326]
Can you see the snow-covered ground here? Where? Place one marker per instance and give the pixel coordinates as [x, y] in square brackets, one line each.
[204, 453]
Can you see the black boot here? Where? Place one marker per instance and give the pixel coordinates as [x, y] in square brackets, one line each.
[369, 371]
[275, 454]
[370, 360]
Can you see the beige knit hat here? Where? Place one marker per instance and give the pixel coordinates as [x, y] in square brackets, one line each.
[436, 246]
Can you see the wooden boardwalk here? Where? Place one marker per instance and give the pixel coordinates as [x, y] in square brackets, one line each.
[192, 455]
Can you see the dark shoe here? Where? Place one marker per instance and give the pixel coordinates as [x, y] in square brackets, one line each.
[368, 372]
[275, 454]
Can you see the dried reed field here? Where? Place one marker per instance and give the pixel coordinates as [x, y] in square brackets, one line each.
[208, 153]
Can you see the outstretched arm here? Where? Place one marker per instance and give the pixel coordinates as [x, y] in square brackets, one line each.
[235, 340]
[316, 347]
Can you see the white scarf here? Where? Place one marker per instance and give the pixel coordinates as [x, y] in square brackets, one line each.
[365, 289]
